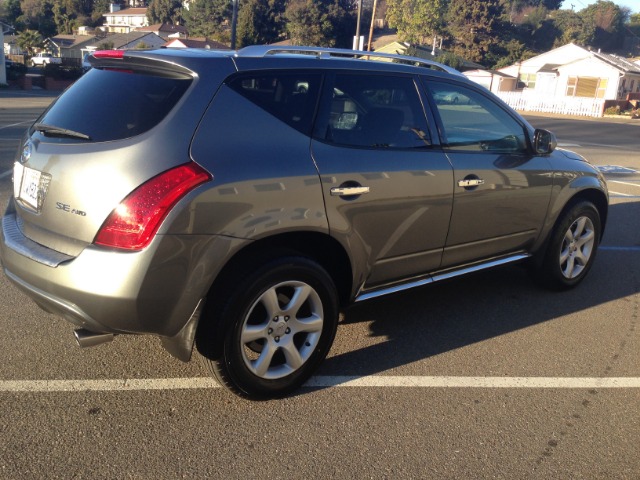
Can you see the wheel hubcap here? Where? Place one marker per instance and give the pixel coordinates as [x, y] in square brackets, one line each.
[282, 330]
[577, 247]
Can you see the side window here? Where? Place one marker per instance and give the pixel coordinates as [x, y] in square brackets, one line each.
[291, 97]
[373, 111]
[473, 121]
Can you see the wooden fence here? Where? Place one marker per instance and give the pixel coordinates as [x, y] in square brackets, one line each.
[532, 102]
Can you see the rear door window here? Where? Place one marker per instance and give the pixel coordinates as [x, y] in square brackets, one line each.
[373, 111]
[289, 96]
[114, 104]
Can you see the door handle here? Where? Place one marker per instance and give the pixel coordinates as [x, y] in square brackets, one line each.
[473, 182]
[348, 191]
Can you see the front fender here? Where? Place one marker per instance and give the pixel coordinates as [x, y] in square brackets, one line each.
[572, 186]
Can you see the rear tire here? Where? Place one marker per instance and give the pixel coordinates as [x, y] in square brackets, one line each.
[273, 328]
[572, 248]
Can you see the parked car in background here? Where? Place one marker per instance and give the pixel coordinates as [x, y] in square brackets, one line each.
[41, 59]
[237, 201]
[453, 97]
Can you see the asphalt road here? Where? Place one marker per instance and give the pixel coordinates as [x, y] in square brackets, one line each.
[484, 377]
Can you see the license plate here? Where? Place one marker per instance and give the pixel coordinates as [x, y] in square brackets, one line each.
[30, 187]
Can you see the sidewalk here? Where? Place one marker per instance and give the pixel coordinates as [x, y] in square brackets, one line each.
[620, 119]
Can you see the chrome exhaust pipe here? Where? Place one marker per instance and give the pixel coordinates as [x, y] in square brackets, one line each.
[87, 338]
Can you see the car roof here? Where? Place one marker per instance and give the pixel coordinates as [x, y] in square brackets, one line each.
[279, 57]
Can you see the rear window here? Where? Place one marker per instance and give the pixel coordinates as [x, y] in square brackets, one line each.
[113, 104]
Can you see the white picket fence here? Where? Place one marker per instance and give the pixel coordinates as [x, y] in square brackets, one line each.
[532, 102]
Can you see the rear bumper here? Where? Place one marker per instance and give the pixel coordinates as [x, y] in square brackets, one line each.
[153, 291]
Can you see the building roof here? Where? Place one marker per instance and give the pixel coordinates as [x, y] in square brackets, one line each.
[196, 43]
[576, 53]
[483, 72]
[121, 40]
[128, 12]
[164, 29]
[70, 41]
[549, 68]
[622, 64]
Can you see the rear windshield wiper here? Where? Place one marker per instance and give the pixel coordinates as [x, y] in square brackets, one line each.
[53, 131]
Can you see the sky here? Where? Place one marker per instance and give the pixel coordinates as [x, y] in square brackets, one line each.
[634, 5]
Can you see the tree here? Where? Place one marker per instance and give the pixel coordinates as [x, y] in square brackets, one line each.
[164, 11]
[29, 40]
[607, 20]
[343, 17]
[38, 15]
[260, 22]
[106, 45]
[63, 21]
[12, 12]
[100, 7]
[572, 29]
[417, 21]
[323, 23]
[306, 24]
[507, 53]
[207, 18]
[473, 26]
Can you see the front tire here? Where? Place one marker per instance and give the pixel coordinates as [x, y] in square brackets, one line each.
[274, 329]
[572, 247]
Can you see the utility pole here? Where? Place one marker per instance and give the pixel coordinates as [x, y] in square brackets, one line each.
[234, 24]
[356, 41]
[3, 71]
[373, 19]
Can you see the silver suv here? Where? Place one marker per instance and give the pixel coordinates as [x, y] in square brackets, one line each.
[238, 200]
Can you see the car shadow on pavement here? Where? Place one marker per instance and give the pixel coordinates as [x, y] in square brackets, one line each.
[426, 322]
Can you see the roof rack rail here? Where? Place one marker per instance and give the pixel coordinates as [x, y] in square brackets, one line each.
[322, 52]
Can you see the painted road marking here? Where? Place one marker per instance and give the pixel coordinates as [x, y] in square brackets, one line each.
[369, 381]
[631, 184]
[29, 122]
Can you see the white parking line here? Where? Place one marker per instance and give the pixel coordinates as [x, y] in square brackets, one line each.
[624, 183]
[28, 122]
[370, 381]
[475, 382]
[620, 194]
[5, 174]
[620, 249]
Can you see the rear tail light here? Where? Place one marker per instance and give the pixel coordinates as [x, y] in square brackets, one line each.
[109, 54]
[133, 223]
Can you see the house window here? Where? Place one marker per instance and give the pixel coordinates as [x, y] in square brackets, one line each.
[587, 87]
[571, 86]
[527, 80]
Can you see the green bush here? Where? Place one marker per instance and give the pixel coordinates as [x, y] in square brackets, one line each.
[612, 111]
[62, 72]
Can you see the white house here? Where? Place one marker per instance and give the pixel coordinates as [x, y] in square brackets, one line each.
[568, 80]
[574, 71]
[126, 20]
[492, 80]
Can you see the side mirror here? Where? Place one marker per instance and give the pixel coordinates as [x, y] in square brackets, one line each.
[544, 142]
